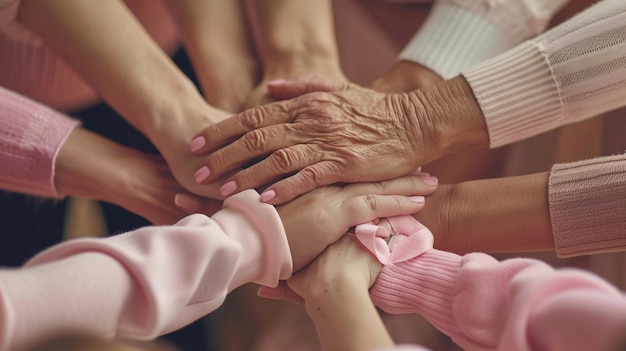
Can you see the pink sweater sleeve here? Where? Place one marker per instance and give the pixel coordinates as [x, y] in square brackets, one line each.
[31, 136]
[517, 304]
[144, 283]
[588, 206]
[574, 71]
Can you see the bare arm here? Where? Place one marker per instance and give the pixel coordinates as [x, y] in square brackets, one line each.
[491, 215]
[294, 39]
[217, 38]
[107, 46]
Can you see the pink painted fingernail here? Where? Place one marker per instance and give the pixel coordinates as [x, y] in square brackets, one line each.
[197, 143]
[268, 195]
[228, 188]
[431, 180]
[417, 199]
[202, 174]
[276, 82]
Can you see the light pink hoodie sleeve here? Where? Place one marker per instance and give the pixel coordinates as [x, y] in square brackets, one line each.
[31, 136]
[144, 283]
[483, 304]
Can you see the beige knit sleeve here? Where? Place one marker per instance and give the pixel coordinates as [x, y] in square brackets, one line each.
[461, 33]
[574, 71]
[588, 206]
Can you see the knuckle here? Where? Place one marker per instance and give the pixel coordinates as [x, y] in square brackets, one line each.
[284, 160]
[371, 201]
[255, 140]
[378, 187]
[313, 175]
[253, 118]
[216, 161]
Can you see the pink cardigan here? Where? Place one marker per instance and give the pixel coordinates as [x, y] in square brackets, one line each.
[482, 304]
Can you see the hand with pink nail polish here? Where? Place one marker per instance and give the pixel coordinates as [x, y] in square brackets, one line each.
[345, 134]
[317, 219]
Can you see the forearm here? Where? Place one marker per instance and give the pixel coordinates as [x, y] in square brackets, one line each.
[176, 273]
[346, 319]
[107, 46]
[292, 35]
[216, 36]
[492, 215]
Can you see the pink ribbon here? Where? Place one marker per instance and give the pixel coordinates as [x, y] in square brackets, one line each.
[407, 237]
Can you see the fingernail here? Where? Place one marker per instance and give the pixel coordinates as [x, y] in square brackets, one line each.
[228, 188]
[431, 180]
[417, 199]
[276, 82]
[188, 203]
[197, 143]
[202, 174]
[268, 195]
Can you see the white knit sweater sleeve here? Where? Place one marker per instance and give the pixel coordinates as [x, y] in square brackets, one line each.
[461, 33]
[572, 72]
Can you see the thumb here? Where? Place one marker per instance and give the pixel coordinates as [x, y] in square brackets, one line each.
[289, 89]
[281, 292]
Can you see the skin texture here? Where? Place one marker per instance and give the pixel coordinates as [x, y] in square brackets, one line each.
[337, 300]
[350, 134]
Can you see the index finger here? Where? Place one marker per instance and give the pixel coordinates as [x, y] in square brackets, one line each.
[225, 132]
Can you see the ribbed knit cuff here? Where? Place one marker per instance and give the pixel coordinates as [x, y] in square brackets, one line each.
[448, 49]
[517, 94]
[31, 136]
[425, 285]
[588, 206]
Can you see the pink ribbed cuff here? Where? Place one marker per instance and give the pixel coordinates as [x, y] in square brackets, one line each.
[588, 206]
[31, 136]
[517, 94]
[424, 285]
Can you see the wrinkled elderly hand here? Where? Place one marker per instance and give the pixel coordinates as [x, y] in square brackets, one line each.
[352, 135]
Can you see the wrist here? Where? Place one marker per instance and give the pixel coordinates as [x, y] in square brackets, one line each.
[292, 65]
[405, 76]
[79, 174]
[449, 117]
[178, 121]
